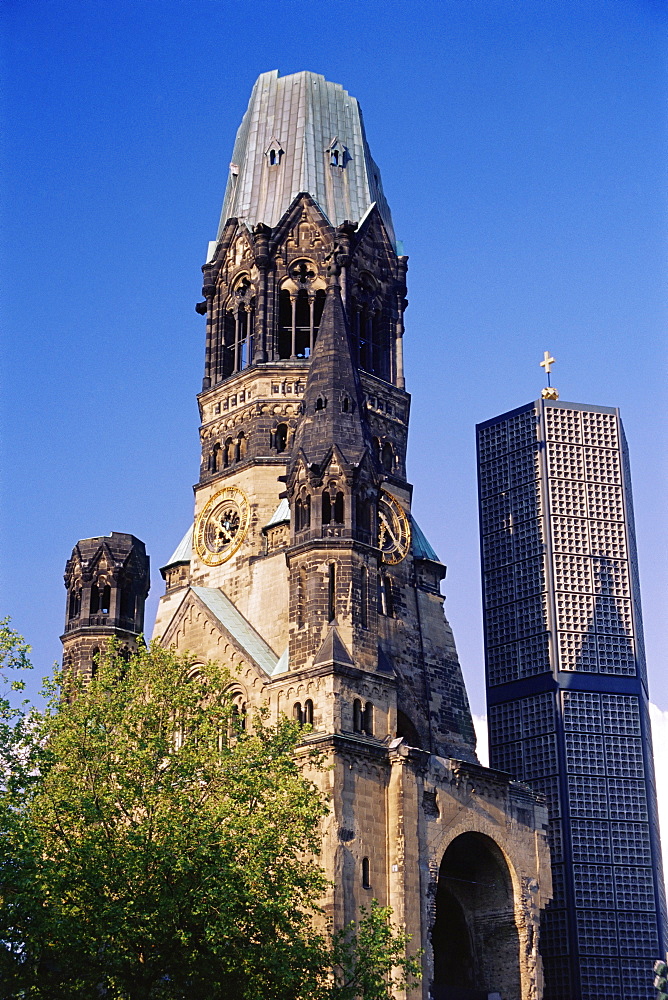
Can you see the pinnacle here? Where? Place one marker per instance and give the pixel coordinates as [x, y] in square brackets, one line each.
[332, 414]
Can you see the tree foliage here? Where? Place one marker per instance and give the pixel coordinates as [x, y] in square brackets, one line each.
[153, 847]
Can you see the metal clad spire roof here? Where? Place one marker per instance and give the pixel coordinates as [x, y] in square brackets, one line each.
[300, 116]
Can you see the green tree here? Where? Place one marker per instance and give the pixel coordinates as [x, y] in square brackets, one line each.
[153, 846]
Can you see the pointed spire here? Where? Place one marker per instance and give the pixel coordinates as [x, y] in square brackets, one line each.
[333, 401]
[333, 650]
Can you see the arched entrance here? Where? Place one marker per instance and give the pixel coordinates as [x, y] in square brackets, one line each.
[475, 939]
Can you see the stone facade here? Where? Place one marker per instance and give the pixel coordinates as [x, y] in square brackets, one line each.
[304, 571]
[107, 580]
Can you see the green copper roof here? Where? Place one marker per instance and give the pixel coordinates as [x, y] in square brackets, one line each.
[238, 627]
[302, 133]
[420, 547]
[183, 551]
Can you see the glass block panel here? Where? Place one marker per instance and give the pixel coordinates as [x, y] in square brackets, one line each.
[508, 757]
[558, 886]
[602, 466]
[502, 664]
[505, 723]
[568, 498]
[623, 757]
[627, 799]
[523, 466]
[582, 711]
[616, 655]
[557, 976]
[522, 430]
[572, 572]
[554, 933]
[604, 502]
[563, 425]
[529, 577]
[564, 461]
[528, 539]
[569, 534]
[538, 714]
[597, 933]
[587, 797]
[611, 577]
[500, 625]
[630, 843]
[540, 756]
[534, 655]
[613, 616]
[584, 753]
[634, 888]
[593, 972]
[575, 612]
[531, 615]
[494, 477]
[600, 429]
[578, 651]
[493, 441]
[590, 840]
[496, 513]
[549, 787]
[525, 502]
[499, 586]
[556, 842]
[608, 538]
[621, 714]
[593, 886]
[638, 978]
[638, 934]
[497, 549]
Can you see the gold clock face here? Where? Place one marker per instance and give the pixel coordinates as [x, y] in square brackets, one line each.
[394, 530]
[222, 526]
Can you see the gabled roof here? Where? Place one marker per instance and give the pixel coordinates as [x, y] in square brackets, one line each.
[301, 112]
[239, 628]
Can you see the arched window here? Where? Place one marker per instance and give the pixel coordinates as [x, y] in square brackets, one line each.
[338, 508]
[326, 507]
[366, 874]
[273, 157]
[387, 458]
[367, 719]
[127, 601]
[302, 511]
[240, 447]
[228, 452]
[75, 602]
[320, 403]
[281, 437]
[345, 404]
[297, 713]
[357, 716]
[105, 600]
[385, 601]
[94, 599]
[331, 596]
[308, 712]
[94, 660]
[216, 458]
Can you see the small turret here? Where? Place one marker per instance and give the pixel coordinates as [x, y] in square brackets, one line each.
[107, 580]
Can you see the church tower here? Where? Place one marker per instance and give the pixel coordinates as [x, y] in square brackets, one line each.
[107, 580]
[304, 570]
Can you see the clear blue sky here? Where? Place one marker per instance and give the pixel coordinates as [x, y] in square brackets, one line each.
[523, 152]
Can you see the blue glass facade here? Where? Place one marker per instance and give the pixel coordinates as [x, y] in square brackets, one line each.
[567, 685]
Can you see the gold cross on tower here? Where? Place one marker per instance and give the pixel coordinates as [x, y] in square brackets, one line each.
[547, 363]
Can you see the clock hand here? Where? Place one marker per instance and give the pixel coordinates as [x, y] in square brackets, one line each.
[389, 530]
